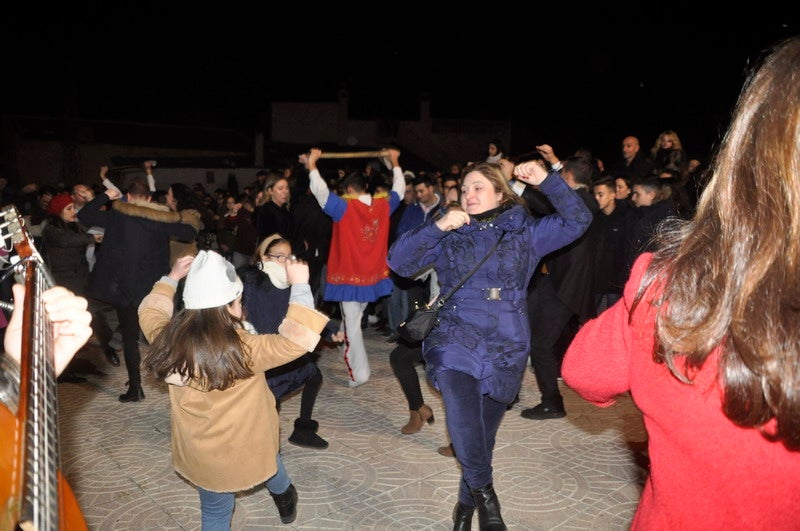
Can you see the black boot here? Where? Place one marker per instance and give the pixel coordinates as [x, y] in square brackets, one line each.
[488, 506]
[134, 394]
[286, 504]
[305, 435]
[549, 409]
[462, 517]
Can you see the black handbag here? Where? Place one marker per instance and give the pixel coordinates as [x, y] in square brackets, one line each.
[421, 320]
[419, 323]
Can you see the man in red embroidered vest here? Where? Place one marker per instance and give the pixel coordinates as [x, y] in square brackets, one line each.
[357, 269]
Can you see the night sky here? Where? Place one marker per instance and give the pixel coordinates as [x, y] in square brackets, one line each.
[584, 83]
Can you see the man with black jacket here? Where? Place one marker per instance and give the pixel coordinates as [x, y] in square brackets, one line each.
[133, 256]
[560, 289]
[633, 164]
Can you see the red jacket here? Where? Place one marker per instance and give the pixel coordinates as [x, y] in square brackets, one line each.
[705, 472]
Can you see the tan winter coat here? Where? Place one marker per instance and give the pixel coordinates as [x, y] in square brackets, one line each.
[227, 441]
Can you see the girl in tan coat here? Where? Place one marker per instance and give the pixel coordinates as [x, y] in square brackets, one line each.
[225, 435]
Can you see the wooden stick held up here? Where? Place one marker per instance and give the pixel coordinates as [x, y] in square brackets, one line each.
[354, 154]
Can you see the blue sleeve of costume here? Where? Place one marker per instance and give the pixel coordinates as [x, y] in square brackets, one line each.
[335, 207]
[571, 219]
[394, 201]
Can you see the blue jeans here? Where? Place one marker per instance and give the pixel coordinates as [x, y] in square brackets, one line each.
[472, 421]
[398, 307]
[216, 508]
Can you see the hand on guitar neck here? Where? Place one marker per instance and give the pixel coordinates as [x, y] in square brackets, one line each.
[48, 325]
[71, 324]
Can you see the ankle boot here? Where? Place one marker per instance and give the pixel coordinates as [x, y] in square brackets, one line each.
[133, 394]
[417, 419]
[305, 435]
[462, 517]
[286, 504]
[447, 451]
[488, 506]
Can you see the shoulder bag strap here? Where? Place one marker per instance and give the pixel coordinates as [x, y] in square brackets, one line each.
[439, 303]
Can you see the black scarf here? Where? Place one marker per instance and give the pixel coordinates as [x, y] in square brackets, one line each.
[489, 215]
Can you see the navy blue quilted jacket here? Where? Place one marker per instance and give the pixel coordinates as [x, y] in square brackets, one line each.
[485, 338]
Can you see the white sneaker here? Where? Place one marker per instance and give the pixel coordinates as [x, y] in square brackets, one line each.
[372, 319]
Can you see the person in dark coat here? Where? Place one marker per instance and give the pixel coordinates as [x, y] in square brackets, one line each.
[274, 215]
[609, 258]
[266, 300]
[312, 227]
[426, 207]
[561, 290]
[633, 164]
[65, 243]
[477, 355]
[652, 206]
[668, 155]
[133, 256]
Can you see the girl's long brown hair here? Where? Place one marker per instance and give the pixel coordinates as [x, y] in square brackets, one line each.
[201, 345]
[731, 277]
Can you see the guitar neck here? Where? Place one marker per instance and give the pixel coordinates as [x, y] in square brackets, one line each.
[37, 412]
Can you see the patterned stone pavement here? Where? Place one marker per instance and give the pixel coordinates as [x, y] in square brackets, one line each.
[573, 473]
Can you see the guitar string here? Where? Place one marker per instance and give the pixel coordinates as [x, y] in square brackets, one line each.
[41, 491]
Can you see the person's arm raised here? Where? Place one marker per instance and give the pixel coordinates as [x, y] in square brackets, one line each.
[317, 184]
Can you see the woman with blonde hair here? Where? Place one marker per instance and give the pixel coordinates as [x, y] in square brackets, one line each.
[707, 336]
[668, 154]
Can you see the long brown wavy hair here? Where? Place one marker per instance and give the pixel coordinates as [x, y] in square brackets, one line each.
[201, 345]
[731, 276]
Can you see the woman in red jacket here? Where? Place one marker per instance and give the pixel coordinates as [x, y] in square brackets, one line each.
[707, 335]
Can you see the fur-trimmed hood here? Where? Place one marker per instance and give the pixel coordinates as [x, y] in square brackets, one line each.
[159, 212]
[146, 210]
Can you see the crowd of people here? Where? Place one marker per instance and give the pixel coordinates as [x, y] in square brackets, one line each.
[690, 305]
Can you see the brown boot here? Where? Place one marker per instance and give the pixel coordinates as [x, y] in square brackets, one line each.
[417, 419]
[447, 451]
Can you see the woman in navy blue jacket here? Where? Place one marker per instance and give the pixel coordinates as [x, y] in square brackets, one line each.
[477, 355]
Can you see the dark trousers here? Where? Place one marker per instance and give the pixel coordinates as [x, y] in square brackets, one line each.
[302, 372]
[100, 327]
[129, 326]
[472, 420]
[548, 317]
[403, 359]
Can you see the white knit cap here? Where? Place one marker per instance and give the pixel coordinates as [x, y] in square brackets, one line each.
[211, 282]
